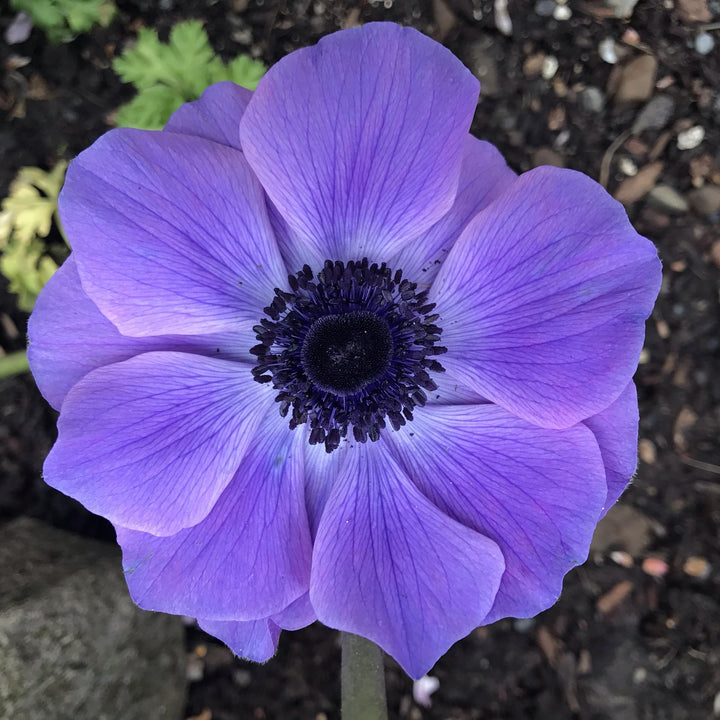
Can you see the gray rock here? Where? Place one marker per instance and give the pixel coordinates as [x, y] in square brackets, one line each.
[545, 8]
[668, 199]
[705, 200]
[72, 643]
[592, 99]
[655, 115]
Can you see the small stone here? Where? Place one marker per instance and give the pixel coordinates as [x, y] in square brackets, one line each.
[705, 200]
[622, 558]
[691, 138]
[639, 675]
[655, 115]
[623, 8]
[592, 99]
[502, 18]
[694, 11]
[637, 80]
[655, 567]
[545, 8]
[423, 689]
[627, 166]
[623, 528]
[523, 625]
[607, 51]
[684, 422]
[715, 253]
[548, 156]
[697, 567]
[18, 31]
[562, 12]
[668, 199]
[634, 188]
[647, 451]
[550, 66]
[533, 65]
[704, 43]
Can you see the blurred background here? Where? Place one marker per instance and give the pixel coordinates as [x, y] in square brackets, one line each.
[625, 91]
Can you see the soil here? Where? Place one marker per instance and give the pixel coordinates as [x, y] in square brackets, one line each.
[635, 633]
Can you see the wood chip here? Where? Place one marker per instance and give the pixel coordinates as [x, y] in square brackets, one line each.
[637, 81]
[549, 644]
[613, 597]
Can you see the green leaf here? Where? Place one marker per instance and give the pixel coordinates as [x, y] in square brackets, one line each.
[63, 19]
[169, 74]
[26, 219]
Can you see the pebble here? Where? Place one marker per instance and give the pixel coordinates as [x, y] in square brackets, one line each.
[697, 567]
[634, 188]
[545, 8]
[647, 451]
[668, 199]
[550, 66]
[655, 115]
[502, 18]
[592, 99]
[655, 567]
[704, 43]
[18, 31]
[523, 625]
[705, 200]
[637, 80]
[622, 558]
[627, 167]
[691, 138]
[623, 8]
[693, 11]
[424, 688]
[607, 51]
[562, 12]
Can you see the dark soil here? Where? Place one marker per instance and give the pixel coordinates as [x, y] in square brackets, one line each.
[635, 633]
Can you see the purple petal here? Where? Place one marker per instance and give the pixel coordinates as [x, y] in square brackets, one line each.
[543, 299]
[215, 116]
[170, 233]
[321, 471]
[249, 558]
[389, 566]
[255, 640]
[297, 615]
[69, 337]
[151, 442]
[358, 140]
[616, 432]
[537, 493]
[484, 176]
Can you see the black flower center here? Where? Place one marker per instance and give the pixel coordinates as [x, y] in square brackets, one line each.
[348, 349]
[344, 353]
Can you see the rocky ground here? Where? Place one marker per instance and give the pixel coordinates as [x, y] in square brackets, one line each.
[628, 92]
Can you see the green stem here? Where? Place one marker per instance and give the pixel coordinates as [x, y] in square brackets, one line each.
[13, 364]
[363, 680]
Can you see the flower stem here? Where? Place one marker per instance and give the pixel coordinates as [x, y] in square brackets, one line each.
[13, 364]
[363, 680]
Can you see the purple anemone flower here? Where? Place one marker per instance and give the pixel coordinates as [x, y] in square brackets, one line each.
[319, 354]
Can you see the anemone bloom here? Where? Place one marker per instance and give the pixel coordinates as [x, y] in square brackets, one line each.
[319, 354]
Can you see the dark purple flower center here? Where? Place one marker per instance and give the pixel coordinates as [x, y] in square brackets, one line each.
[350, 348]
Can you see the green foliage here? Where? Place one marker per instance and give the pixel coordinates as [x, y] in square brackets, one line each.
[25, 220]
[168, 75]
[62, 20]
